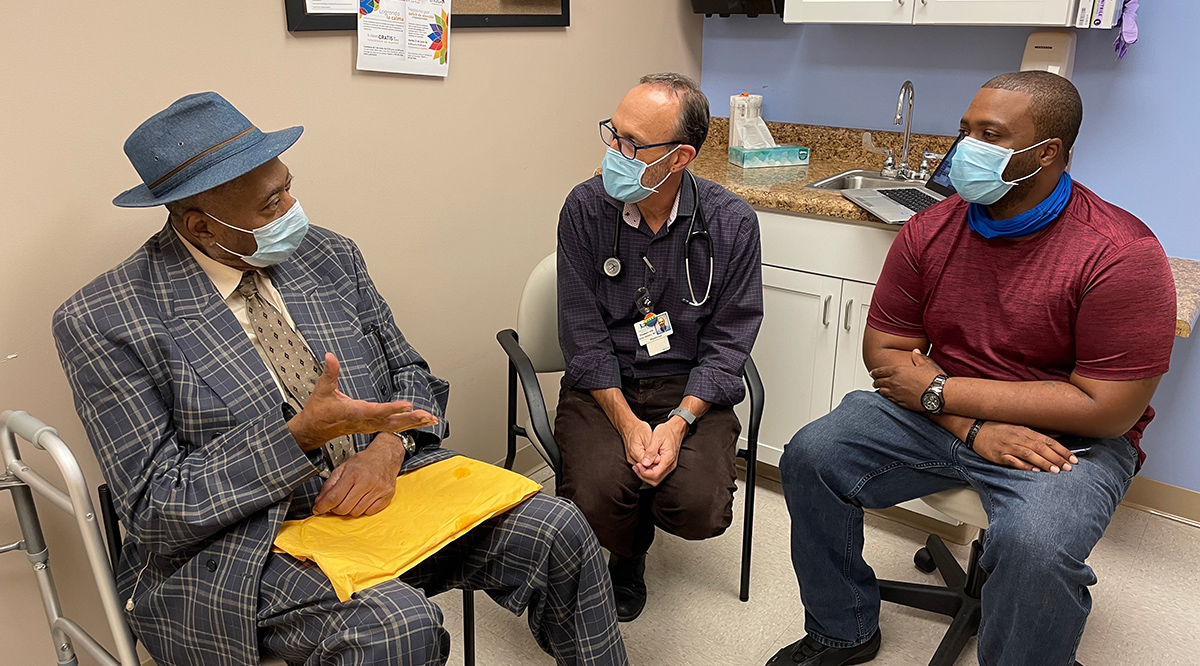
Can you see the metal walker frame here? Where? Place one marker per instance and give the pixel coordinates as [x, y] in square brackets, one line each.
[21, 481]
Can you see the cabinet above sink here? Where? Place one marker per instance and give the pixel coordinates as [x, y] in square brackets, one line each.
[1058, 13]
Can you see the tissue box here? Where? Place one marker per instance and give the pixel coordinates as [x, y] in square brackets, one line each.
[788, 154]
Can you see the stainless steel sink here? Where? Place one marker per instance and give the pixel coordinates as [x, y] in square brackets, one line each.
[858, 179]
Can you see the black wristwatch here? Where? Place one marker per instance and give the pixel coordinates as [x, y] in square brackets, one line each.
[975, 428]
[932, 399]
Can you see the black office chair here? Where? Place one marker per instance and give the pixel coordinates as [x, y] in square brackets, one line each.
[537, 351]
[959, 598]
[112, 535]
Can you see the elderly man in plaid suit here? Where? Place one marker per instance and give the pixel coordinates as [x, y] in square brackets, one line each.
[240, 369]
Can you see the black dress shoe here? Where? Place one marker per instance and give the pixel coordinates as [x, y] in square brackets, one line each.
[808, 652]
[629, 585]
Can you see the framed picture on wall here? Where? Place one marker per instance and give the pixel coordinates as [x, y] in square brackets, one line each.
[306, 15]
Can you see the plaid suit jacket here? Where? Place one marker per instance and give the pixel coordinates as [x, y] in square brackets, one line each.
[191, 432]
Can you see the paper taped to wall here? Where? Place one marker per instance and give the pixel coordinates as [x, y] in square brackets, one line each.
[404, 36]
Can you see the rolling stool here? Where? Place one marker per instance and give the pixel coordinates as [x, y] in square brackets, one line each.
[959, 599]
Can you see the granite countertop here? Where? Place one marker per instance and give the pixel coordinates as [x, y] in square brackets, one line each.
[1187, 294]
[837, 149]
[833, 150]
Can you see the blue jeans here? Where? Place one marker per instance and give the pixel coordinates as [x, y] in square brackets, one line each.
[871, 453]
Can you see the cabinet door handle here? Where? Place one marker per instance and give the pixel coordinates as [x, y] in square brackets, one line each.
[901, 2]
[825, 311]
[849, 309]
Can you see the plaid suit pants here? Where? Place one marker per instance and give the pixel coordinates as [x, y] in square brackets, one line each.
[539, 557]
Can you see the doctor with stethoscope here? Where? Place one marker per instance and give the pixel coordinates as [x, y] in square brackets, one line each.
[660, 300]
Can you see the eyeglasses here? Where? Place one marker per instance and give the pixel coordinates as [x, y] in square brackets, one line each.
[628, 148]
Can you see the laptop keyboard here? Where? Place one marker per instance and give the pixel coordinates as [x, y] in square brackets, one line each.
[909, 197]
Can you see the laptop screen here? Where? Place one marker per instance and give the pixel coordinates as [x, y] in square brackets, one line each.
[940, 180]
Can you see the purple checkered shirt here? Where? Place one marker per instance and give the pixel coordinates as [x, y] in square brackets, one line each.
[597, 313]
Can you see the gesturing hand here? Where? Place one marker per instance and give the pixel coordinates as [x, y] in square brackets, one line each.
[663, 452]
[364, 484]
[1020, 447]
[903, 384]
[329, 413]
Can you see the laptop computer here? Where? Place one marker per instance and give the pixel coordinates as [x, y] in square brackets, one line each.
[895, 205]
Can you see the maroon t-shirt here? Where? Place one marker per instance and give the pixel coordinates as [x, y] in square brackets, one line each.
[1093, 295]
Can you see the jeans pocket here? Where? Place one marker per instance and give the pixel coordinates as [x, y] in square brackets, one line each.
[1133, 457]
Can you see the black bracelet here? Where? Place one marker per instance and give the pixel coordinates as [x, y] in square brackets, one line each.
[975, 427]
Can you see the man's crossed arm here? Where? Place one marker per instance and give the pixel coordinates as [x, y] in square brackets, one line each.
[1020, 415]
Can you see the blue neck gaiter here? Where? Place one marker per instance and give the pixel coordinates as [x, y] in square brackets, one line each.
[1028, 223]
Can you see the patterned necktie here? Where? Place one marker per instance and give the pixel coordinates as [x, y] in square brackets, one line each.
[294, 364]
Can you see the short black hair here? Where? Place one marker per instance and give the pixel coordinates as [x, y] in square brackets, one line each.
[177, 208]
[693, 117]
[1055, 104]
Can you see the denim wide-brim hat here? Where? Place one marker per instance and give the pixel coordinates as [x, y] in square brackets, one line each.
[196, 144]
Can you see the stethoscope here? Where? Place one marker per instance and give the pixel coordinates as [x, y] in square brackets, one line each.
[613, 266]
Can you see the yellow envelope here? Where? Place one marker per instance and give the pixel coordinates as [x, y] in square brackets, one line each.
[433, 506]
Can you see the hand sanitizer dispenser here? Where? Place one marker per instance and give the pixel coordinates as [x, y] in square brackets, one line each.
[1052, 51]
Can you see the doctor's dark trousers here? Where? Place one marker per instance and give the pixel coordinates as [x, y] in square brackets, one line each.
[694, 502]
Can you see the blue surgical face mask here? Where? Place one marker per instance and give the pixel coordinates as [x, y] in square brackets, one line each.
[623, 176]
[276, 240]
[977, 170]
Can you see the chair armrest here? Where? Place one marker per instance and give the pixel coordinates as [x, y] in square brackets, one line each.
[539, 418]
[754, 387]
[112, 527]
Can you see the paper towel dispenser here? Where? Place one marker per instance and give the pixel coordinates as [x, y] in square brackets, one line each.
[726, 8]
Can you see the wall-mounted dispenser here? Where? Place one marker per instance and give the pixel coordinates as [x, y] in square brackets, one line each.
[726, 8]
[1052, 51]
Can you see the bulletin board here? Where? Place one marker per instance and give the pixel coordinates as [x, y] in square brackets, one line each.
[465, 14]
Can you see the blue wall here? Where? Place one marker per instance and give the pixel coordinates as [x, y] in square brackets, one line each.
[1141, 119]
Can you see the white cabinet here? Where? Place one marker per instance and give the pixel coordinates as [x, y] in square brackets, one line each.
[995, 12]
[818, 278]
[795, 353]
[849, 371]
[949, 12]
[808, 352]
[848, 11]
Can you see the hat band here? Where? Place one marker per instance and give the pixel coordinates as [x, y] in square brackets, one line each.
[201, 155]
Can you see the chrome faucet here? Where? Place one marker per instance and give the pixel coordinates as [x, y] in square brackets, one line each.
[923, 170]
[902, 169]
[889, 164]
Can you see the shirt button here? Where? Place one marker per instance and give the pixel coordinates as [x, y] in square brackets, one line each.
[212, 565]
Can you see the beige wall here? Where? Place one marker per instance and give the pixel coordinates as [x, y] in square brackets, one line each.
[451, 187]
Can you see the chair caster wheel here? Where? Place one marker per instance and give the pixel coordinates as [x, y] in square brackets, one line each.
[924, 561]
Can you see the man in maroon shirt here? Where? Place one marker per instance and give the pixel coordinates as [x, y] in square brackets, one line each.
[1048, 317]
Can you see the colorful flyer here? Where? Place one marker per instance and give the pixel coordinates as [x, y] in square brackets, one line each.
[404, 36]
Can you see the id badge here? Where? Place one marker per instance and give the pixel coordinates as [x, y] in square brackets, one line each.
[654, 333]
